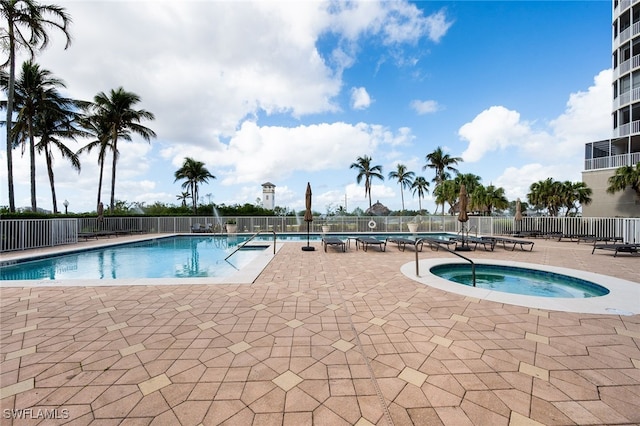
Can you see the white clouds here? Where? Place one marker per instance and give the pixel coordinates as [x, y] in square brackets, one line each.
[360, 99]
[438, 25]
[559, 145]
[407, 24]
[195, 67]
[517, 180]
[424, 107]
[494, 128]
[271, 153]
[397, 22]
[585, 119]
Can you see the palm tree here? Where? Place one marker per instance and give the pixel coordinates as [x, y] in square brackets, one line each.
[471, 181]
[97, 127]
[35, 96]
[478, 197]
[116, 109]
[363, 165]
[194, 172]
[576, 193]
[495, 198]
[404, 178]
[421, 186]
[548, 194]
[447, 192]
[52, 126]
[183, 197]
[442, 164]
[27, 22]
[625, 176]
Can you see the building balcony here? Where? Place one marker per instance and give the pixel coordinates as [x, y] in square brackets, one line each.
[612, 161]
[622, 6]
[626, 66]
[627, 129]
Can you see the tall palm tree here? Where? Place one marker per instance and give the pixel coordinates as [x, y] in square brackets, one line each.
[35, 95]
[421, 186]
[625, 176]
[194, 173]
[442, 164]
[404, 178]
[53, 126]
[98, 128]
[367, 171]
[26, 27]
[116, 109]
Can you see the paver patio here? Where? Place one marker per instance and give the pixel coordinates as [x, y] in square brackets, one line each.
[319, 338]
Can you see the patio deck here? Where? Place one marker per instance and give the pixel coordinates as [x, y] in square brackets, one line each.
[319, 338]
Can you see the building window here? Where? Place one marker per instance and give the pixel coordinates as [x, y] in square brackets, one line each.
[625, 115]
[625, 52]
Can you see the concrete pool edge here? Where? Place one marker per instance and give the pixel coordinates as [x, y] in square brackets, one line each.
[623, 297]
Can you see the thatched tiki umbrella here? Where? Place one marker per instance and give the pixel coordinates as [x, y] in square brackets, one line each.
[308, 216]
[462, 216]
[518, 216]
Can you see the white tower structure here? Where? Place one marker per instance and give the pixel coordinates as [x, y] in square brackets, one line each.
[268, 195]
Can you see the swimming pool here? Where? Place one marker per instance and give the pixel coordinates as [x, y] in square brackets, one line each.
[163, 257]
[525, 281]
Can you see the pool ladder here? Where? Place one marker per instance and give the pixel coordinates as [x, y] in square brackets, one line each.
[473, 265]
[241, 245]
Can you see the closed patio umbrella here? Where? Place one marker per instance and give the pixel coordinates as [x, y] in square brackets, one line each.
[462, 216]
[308, 216]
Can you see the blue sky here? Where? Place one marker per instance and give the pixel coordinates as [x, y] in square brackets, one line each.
[294, 92]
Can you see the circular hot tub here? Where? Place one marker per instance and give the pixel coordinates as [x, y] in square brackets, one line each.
[557, 289]
[517, 280]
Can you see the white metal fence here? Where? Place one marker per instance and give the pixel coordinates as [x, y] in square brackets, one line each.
[22, 234]
[34, 233]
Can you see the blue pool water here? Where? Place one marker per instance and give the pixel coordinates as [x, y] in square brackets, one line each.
[530, 282]
[164, 257]
[170, 257]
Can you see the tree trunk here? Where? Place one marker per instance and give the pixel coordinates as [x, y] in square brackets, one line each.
[195, 198]
[9, 126]
[100, 182]
[32, 166]
[47, 154]
[113, 172]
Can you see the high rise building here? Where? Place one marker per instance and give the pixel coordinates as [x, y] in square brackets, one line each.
[602, 158]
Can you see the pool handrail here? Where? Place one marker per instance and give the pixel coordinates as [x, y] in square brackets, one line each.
[244, 243]
[473, 265]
